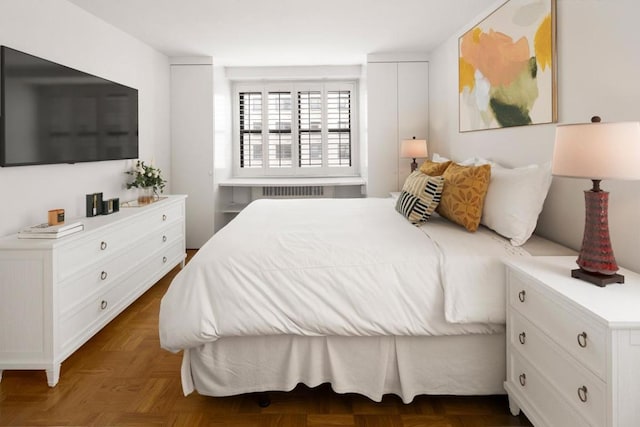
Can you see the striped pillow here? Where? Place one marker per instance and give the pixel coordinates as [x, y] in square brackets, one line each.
[420, 196]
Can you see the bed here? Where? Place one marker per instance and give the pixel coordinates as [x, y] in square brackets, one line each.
[342, 291]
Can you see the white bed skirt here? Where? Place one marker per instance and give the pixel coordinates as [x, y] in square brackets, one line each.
[371, 366]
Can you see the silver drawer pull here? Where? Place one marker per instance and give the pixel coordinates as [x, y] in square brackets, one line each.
[164, 259]
[523, 379]
[522, 337]
[103, 245]
[582, 393]
[582, 339]
[103, 304]
[103, 275]
[164, 217]
[522, 295]
[164, 238]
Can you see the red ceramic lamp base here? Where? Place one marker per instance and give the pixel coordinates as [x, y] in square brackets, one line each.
[596, 260]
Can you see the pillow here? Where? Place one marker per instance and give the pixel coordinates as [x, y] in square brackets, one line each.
[479, 161]
[439, 159]
[515, 199]
[420, 196]
[434, 168]
[463, 195]
[471, 161]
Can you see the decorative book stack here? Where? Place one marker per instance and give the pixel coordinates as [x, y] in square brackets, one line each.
[46, 231]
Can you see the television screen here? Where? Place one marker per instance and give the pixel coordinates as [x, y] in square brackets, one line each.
[55, 114]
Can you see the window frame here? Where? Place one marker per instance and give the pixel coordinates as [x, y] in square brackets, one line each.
[324, 86]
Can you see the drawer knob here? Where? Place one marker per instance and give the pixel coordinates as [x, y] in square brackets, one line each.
[103, 305]
[164, 259]
[582, 339]
[523, 379]
[582, 393]
[103, 275]
[164, 217]
[522, 337]
[164, 238]
[522, 295]
[103, 245]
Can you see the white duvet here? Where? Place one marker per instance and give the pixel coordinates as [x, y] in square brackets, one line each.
[336, 267]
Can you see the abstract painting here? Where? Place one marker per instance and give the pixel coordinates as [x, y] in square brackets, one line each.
[507, 67]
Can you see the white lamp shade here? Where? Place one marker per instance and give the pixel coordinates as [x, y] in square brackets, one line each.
[598, 151]
[413, 148]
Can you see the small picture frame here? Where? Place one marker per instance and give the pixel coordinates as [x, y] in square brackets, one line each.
[94, 204]
[110, 206]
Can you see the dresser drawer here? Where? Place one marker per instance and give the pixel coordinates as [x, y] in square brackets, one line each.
[101, 245]
[544, 401]
[103, 273]
[577, 334]
[579, 386]
[79, 325]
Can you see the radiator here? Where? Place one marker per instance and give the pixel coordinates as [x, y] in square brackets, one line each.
[292, 192]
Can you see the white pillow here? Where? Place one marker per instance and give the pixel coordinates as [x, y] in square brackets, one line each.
[438, 158]
[479, 161]
[471, 161]
[514, 200]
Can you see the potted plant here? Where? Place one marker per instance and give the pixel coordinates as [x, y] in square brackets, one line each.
[148, 179]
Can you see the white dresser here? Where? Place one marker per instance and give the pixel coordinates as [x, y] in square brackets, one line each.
[56, 294]
[573, 352]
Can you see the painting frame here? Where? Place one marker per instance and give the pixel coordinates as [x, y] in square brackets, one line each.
[507, 68]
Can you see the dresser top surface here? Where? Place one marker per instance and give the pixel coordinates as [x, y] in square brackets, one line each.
[617, 305]
[90, 225]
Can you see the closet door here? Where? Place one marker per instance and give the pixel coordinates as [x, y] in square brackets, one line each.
[192, 144]
[413, 109]
[382, 118]
[398, 108]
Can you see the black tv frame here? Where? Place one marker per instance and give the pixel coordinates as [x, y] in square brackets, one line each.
[4, 162]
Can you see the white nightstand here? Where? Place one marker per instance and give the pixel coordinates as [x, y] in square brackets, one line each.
[573, 350]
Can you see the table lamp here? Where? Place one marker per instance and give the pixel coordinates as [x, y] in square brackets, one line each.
[412, 149]
[597, 151]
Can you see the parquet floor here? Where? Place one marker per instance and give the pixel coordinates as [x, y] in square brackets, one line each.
[121, 377]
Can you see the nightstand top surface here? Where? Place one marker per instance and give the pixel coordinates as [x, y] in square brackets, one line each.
[617, 305]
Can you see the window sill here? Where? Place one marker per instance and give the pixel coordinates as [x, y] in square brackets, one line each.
[286, 181]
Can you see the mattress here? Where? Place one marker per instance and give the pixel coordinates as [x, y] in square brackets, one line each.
[337, 267]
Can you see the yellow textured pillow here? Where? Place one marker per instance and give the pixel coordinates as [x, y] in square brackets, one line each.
[434, 168]
[463, 194]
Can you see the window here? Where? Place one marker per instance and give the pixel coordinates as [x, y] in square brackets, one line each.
[251, 130]
[309, 129]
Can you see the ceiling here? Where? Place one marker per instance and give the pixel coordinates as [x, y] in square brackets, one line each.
[288, 32]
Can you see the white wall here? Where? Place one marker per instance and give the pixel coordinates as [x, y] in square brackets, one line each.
[598, 69]
[61, 32]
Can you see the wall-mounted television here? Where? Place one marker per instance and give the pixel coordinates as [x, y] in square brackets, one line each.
[50, 113]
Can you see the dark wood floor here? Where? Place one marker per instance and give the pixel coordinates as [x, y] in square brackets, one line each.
[121, 377]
